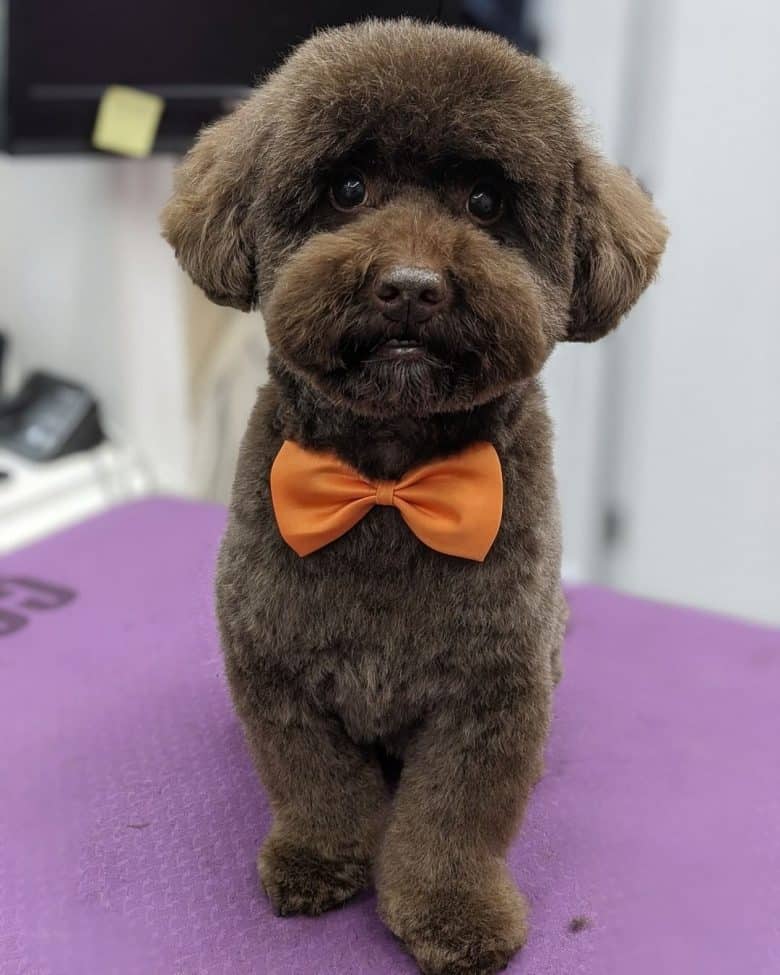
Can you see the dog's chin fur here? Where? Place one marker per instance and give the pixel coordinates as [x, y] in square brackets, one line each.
[437, 380]
[498, 330]
[376, 645]
[395, 388]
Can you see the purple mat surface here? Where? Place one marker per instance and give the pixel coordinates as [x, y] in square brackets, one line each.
[130, 814]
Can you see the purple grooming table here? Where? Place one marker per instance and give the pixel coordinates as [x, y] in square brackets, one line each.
[130, 814]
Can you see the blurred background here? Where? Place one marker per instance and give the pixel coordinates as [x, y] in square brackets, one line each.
[120, 379]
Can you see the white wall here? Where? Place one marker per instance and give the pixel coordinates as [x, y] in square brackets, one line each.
[686, 426]
[687, 93]
[89, 290]
[575, 376]
[702, 473]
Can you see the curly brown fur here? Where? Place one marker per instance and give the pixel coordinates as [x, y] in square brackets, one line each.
[375, 650]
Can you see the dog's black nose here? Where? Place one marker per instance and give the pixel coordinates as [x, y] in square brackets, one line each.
[410, 294]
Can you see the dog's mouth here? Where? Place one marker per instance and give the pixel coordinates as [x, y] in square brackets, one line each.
[407, 350]
[379, 349]
[392, 368]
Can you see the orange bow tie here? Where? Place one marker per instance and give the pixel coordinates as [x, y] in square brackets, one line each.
[453, 505]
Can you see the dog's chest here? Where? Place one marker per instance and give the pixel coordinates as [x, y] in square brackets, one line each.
[377, 608]
[375, 690]
[376, 625]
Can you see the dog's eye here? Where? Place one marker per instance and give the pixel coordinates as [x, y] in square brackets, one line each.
[348, 190]
[485, 203]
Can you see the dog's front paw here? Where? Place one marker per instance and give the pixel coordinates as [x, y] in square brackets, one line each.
[300, 880]
[458, 931]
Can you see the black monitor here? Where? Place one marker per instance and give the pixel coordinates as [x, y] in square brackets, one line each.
[58, 56]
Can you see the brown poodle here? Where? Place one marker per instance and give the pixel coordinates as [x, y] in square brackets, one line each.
[420, 218]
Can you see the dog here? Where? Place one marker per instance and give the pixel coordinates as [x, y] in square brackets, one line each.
[420, 217]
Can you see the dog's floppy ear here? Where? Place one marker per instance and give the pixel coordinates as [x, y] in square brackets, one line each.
[620, 237]
[208, 221]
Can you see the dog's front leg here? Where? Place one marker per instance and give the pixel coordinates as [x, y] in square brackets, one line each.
[329, 801]
[443, 885]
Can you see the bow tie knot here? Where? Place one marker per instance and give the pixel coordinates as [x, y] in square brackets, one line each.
[385, 493]
[452, 505]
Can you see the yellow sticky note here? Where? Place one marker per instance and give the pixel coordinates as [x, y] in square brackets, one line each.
[127, 121]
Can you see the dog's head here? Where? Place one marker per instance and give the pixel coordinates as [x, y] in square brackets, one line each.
[417, 212]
